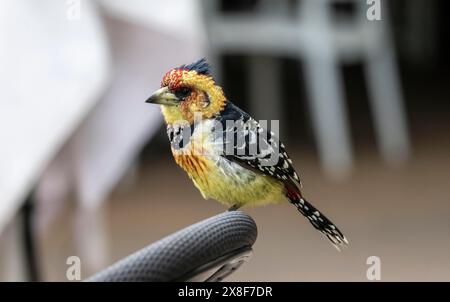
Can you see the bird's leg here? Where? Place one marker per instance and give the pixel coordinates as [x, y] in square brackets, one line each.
[234, 207]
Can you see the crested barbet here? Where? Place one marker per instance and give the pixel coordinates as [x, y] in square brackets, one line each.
[228, 155]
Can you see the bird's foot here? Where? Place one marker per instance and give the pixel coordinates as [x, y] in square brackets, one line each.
[234, 207]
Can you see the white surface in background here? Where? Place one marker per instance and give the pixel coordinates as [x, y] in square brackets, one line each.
[52, 71]
[179, 18]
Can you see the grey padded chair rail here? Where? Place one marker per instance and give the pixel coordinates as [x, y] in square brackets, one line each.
[208, 250]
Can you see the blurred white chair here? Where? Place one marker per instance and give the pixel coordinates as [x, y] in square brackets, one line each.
[312, 34]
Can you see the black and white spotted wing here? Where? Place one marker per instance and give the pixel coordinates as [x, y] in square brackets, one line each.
[247, 143]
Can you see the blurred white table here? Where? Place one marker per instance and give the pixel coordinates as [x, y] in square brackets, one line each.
[52, 73]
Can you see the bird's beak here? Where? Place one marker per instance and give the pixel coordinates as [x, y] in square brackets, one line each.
[163, 97]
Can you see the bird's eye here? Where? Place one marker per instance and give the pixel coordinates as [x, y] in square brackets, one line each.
[183, 92]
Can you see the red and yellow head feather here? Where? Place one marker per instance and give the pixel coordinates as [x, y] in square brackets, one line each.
[206, 97]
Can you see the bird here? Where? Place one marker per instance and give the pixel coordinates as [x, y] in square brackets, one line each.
[229, 156]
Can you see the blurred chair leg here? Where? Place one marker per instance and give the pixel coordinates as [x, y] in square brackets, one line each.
[92, 237]
[329, 117]
[264, 88]
[11, 253]
[19, 259]
[29, 239]
[387, 106]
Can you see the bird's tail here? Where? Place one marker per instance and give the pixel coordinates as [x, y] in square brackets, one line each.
[319, 221]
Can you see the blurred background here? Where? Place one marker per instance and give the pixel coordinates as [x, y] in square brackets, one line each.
[361, 90]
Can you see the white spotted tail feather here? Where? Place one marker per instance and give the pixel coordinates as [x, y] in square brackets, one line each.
[321, 223]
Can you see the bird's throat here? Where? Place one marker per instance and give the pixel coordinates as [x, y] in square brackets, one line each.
[172, 114]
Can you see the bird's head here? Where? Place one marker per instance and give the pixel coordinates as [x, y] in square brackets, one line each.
[187, 90]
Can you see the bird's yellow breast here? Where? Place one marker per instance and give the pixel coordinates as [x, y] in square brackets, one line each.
[225, 181]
